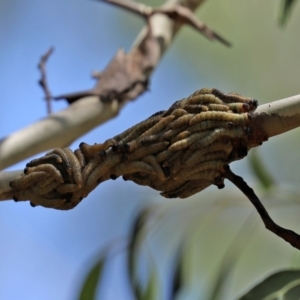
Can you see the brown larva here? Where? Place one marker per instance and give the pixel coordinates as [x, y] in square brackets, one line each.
[196, 189]
[132, 167]
[169, 134]
[139, 180]
[76, 167]
[184, 143]
[216, 134]
[179, 112]
[205, 166]
[51, 159]
[195, 108]
[45, 189]
[67, 188]
[234, 97]
[171, 184]
[65, 159]
[158, 126]
[203, 99]
[198, 154]
[90, 150]
[136, 130]
[144, 151]
[170, 160]
[183, 189]
[239, 107]
[182, 121]
[238, 119]
[182, 135]
[53, 172]
[163, 155]
[150, 159]
[102, 169]
[92, 164]
[218, 107]
[24, 182]
[80, 157]
[205, 125]
[44, 182]
[149, 140]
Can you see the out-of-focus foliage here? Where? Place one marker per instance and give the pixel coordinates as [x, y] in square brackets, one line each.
[286, 10]
[281, 285]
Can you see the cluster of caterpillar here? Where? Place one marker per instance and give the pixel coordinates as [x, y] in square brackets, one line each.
[179, 152]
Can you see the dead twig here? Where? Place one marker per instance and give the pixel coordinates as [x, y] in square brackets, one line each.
[43, 80]
[286, 234]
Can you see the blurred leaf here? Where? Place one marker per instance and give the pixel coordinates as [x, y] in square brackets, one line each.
[286, 10]
[89, 288]
[281, 285]
[134, 239]
[152, 288]
[265, 178]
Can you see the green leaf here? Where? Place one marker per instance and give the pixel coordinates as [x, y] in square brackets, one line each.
[89, 288]
[281, 285]
[265, 178]
[285, 11]
[152, 288]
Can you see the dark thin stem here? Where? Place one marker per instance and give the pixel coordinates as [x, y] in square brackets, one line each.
[288, 235]
[43, 80]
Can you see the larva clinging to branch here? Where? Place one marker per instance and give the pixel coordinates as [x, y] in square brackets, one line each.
[24, 182]
[53, 172]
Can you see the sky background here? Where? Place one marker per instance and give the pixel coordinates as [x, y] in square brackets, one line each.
[44, 253]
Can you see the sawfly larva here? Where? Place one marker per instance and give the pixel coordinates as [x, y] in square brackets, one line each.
[132, 167]
[163, 155]
[64, 157]
[195, 108]
[45, 189]
[144, 151]
[172, 158]
[25, 181]
[53, 172]
[149, 140]
[182, 121]
[92, 164]
[216, 134]
[200, 187]
[150, 159]
[67, 188]
[180, 136]
[76, 167]
[169, 134]
[49, 159]
[80, 157]
[90, 150]
[204, 99]
[239, 107]
[238, 119]
[218, 107]
[205, 125]
[184, 143]
[179, 112]
[158, 126]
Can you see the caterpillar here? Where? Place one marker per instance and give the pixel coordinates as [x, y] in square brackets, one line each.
[25, 181]
[198, 188]
[238, 119]
[45, 189]
[150, 159]
[182, 135]
[64, 157]
[80, 157]
[179, 112]
[184, 143]
[76, 167]
[132, 167]
[90, 150]
[216, 134]
[203, 99]
[67, 188]
[182, 121]
[208, 124]
[51, 159]
[53, 172]
[195, 108]
[218, 107]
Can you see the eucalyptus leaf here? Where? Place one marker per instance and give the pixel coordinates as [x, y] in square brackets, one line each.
[281, 285]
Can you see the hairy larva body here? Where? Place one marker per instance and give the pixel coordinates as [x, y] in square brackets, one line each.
[26, 181]
[45, 189]
[238, 119]
[216, 134]
[182, 121]
[158, 126]
[80, 157]
[49, 159]
[184, 143]
[53, 172]
[76, 167]
[144, 151]
[150, 159]
[67, 188]
[178, 112]
[182, 135]
[205, 125]
[64, 157]
[135, 131]
[218, 107]
[195, 108]
[206, 154]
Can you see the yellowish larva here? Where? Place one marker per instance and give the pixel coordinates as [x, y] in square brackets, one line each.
[80, 157]
[76, 166]
[25, 181]
[182, 135]
[150, 159]
[182, 121]
[66, 188]
[45, 189]
[218, 107]
[179, 112]
[53, 172]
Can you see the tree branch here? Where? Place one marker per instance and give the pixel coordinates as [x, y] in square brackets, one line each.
[62, 128]
[286, 234]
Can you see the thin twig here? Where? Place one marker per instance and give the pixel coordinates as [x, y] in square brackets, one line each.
[43, 80]
[286, 234]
